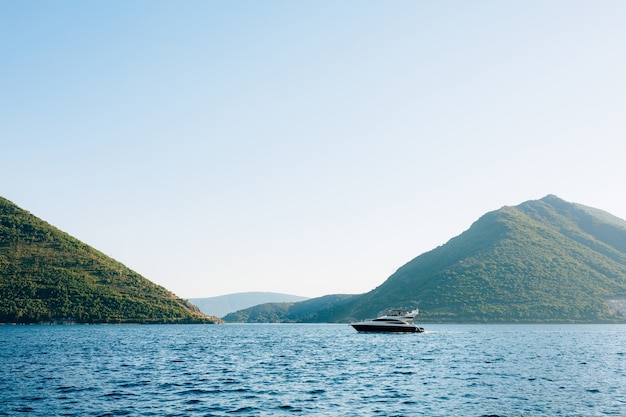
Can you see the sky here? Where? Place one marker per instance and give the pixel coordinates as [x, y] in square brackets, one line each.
[309, 147]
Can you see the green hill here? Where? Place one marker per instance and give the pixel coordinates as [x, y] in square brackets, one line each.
[314, 310]
[542, 261]
[224, 304]
[545, 260]
[48, 276]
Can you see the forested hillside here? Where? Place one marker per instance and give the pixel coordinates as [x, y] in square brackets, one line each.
[542, 261]
[224, 304]
[48, 276]
[315, 310]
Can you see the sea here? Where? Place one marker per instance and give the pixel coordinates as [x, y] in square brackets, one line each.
[312, 370]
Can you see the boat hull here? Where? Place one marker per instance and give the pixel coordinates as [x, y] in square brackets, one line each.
[373, 328]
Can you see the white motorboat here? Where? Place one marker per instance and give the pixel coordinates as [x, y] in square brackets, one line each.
[395, 321]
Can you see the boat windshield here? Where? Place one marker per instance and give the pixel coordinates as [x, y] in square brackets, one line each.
[389, 320]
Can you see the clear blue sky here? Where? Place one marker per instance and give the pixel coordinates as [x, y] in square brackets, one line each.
[304, 147]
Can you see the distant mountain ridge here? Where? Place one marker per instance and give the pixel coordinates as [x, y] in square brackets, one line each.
[541, 261]
[314, 310]
[544, 260]
[224, 304]
[48, 276]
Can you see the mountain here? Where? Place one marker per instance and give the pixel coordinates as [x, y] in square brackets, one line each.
[224, 304]
[48, 276]
[314, 310]
[544, 260]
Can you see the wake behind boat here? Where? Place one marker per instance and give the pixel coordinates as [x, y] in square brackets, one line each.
[395, 321]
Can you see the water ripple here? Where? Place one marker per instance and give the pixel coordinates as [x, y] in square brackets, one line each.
[268, 370]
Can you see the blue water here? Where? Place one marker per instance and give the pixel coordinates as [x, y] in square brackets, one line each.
[274, 370]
